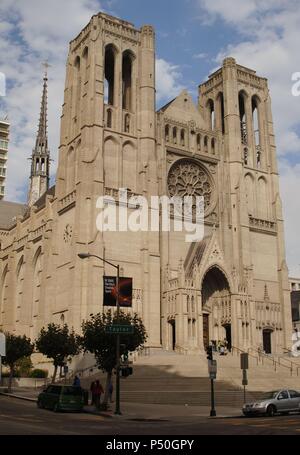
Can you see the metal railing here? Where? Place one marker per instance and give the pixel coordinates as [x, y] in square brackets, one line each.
[262, 357]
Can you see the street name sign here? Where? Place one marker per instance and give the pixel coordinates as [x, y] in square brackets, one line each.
[2, 345]
[119, 329]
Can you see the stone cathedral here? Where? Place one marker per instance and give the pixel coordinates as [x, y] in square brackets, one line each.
[233, 284]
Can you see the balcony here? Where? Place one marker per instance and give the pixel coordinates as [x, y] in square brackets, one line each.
[3, 145]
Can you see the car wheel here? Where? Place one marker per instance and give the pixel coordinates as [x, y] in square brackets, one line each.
[271, 410]
[56, 408]
[39, 404]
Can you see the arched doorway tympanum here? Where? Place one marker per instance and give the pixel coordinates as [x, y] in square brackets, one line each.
[216, 307]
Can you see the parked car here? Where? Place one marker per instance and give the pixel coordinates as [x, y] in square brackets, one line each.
[61, 398]
[280, 401]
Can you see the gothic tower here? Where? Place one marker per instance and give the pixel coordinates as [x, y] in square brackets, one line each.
[107, 143]
[235, 102]
[40, 160]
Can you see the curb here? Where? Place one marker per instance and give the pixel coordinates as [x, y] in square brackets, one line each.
[19, 397]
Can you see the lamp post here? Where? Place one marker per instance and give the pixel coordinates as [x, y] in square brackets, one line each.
[87, 256]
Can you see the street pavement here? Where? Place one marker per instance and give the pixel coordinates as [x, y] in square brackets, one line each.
[22, 417]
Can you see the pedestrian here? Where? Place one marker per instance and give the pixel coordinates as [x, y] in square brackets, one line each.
[110, 391]
[76, 381]
[92, 389]
[98, 391]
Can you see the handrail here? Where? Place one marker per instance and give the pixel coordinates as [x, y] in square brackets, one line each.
[275, 362]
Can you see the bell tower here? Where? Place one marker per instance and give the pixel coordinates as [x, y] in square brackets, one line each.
[40, 160]
[236, 104]
[109, 109]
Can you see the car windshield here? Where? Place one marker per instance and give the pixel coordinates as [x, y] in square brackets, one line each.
[269, 395]
[72, 391]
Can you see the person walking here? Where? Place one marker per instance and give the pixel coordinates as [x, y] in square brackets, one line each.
[110, 391]
[76, 381]
[98, 390]
[92, 390]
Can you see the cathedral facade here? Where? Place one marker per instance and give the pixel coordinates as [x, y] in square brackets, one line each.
[233, 284]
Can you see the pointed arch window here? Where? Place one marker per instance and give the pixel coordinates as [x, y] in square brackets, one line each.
[256, 128]
[167, 133]
[220, 100]
[3, 302]
[109, 74]
[175, 135]
[127, 65]
[19, 289]
[182, 137]
[211, 112]
[243, 118]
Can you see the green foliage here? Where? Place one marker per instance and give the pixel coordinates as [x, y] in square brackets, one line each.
[57, 343]
[24, 367]
[17, 347]
[7, 374]
[38, 373]
[103, 345]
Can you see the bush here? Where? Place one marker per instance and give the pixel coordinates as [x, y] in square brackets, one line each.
[6, 374]
[24, 367]
[38, 373]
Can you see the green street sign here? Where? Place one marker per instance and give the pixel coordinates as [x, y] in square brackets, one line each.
[119, 329]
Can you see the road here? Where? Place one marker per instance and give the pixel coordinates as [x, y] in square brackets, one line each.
[24, 418]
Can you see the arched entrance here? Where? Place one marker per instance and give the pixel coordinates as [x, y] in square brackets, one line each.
[267, 341]
[172, 331]
[216, 307]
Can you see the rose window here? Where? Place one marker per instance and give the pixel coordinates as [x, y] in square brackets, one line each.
[187, 178]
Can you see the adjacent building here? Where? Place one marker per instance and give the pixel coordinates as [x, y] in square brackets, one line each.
[4, 138]
[233, 283]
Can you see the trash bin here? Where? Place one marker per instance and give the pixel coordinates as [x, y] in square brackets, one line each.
[85, 397]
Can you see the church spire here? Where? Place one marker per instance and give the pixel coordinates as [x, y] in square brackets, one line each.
[40, 160]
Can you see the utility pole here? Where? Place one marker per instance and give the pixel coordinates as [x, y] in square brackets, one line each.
[212, 369]
[86, 256]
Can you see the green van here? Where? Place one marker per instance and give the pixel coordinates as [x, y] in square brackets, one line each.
[61, 398]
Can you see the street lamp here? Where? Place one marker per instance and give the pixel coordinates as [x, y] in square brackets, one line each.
[87, 256]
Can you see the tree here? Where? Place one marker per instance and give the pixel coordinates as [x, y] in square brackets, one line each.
[17, 347]
[103, 345]
[57, 343]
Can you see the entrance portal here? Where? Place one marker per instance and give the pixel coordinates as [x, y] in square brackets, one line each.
[173, 334]
[267, 341]
[216, 308]
[227, 328]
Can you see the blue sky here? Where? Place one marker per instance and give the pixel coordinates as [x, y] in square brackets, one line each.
[193, 36]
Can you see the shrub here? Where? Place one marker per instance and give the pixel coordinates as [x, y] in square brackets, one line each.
[38, 373]
[24, 367]
[6, 374]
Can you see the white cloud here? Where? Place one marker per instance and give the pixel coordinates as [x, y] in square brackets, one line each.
[33, 31]
[269, 43]
[289, 184]
[168, 80]
[201, 55]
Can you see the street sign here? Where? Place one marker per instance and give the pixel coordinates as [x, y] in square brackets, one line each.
[212, 369]
[2, 345]
[119, 329]
[244, 361]
[245, 379]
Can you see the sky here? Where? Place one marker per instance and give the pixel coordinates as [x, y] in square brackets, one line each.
[192, 38]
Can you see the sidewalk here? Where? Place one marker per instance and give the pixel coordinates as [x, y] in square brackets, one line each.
[139, 411]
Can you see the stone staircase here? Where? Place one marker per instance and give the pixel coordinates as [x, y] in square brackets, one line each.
[165, 377]
[170, 378]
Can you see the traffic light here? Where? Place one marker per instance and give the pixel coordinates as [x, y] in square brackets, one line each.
[126, 371]
[209, 353]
